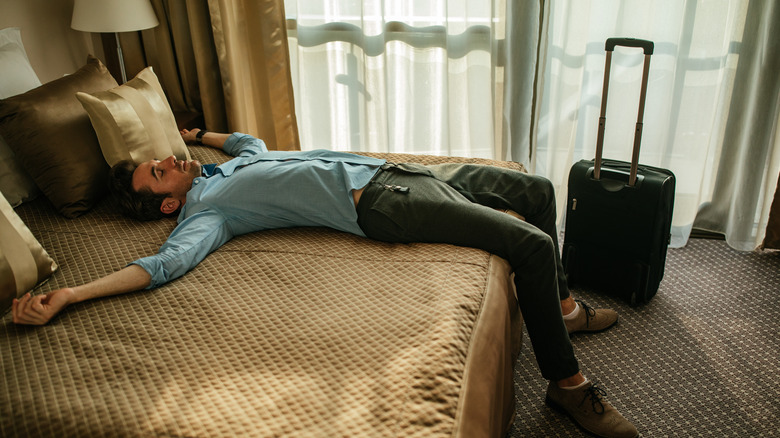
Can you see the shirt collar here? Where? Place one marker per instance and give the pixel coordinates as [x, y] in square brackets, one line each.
[207, 170]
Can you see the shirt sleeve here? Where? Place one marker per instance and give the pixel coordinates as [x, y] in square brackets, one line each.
[243, 145]
[189, 243]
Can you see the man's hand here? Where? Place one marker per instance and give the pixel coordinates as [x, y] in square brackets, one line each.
[189, 135]
[213, 139]
[39, 309]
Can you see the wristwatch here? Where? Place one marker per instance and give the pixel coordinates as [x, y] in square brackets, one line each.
[199, 136]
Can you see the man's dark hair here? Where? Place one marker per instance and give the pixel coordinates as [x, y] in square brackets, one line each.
[143, 204]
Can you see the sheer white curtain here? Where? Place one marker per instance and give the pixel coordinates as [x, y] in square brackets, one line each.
[700, 57]
[522, 80]
[398, 76]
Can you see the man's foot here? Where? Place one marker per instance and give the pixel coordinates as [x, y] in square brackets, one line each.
[586, 405]
[591, 320]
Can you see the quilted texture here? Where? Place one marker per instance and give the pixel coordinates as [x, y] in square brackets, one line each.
[293, 332]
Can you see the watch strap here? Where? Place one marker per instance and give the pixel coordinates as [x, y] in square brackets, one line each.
[199, 136]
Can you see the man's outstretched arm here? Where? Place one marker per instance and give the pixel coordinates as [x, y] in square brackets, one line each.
[40, 309]
[212, 139]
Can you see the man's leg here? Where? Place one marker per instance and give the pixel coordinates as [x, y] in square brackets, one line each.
[533, 198]
[530, 196]
[432, 211]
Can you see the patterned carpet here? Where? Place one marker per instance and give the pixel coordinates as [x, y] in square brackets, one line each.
[702, 359]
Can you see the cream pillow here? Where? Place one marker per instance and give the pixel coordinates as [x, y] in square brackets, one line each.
[17, 73]
[134, 121]
[23, 261]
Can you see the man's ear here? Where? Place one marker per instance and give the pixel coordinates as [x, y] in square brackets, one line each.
[170, 205]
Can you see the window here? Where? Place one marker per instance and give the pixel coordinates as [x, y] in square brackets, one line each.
[400, 76]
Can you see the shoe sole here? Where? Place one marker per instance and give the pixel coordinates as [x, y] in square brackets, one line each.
[595, 331]
[557, 407]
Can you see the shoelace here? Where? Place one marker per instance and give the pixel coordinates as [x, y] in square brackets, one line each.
[595, 393]
[590, 311]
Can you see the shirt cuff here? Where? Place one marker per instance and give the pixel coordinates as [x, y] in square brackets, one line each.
[237, 142]
[155, 270]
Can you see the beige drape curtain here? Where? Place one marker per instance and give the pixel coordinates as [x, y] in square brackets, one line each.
[251, 41]
[772, 237]
[225, 58]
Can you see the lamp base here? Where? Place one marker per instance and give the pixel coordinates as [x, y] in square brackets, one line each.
[111, 56]
[121, 58]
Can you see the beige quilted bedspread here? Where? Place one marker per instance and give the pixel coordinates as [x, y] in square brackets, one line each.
[290, 333]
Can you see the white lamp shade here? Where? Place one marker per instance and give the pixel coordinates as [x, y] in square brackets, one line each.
[113, 15]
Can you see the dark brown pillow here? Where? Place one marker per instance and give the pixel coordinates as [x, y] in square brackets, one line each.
[52, 137]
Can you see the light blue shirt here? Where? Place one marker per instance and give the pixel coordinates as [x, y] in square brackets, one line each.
[261, 190]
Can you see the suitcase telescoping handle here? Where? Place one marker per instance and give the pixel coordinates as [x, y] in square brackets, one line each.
[610, 47]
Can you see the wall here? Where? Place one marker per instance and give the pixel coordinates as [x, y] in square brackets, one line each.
[53, 47]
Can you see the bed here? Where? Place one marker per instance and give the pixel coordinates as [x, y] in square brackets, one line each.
[302, 332]
[294, 332]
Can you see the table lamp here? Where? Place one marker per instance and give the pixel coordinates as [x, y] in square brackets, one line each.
[113, 16]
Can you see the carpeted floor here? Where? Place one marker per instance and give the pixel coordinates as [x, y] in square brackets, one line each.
[702, 359]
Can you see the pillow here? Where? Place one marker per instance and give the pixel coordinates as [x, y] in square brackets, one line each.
[134, 121]
[15, 69]
[15, 183]
[18, 77]
[51, 135]
[23, 262]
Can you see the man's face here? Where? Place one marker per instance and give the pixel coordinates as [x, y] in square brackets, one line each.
[167, 176]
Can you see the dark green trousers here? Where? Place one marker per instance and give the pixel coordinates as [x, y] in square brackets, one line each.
[455, 204]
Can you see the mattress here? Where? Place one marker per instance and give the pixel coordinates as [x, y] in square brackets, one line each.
[301, 332]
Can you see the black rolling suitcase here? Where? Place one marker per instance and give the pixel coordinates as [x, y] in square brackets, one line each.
[619, 214]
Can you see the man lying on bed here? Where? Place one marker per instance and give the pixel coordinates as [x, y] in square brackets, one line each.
[448, 203]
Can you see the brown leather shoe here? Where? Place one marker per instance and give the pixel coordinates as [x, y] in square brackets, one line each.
[588, 408]
[591, 320]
